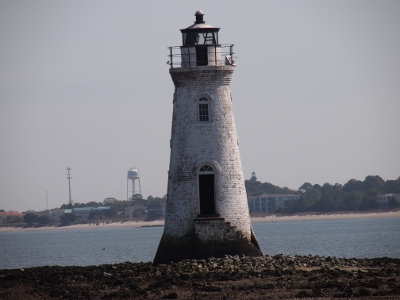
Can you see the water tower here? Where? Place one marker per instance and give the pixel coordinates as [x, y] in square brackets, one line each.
[207, 214]
[133, 175]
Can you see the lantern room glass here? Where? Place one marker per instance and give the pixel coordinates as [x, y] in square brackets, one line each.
[197, 38]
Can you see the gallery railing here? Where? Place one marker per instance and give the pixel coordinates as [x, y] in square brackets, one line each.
[204, 55]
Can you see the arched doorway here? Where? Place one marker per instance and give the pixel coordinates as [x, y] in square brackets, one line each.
[207, 190]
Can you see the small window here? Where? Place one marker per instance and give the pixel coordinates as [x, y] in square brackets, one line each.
[204, 114]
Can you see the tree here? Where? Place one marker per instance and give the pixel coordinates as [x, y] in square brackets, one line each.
[2, 210]
[139, 212]
[137, 199]
[93, 204]
[393, 186]
[353, 200]
[67, 219]
[255, 188]
[369, 199]
[317, 187]
[353, 185]
[153, 215]
[305, 187]
[66, 206]
[43, 220]
[374, 182]
[97, 214]
[326, 188]
[394, 203]
[30, 218]
[109, 201]
[337, 187]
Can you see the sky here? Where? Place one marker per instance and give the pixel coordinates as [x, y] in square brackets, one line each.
[85, 84]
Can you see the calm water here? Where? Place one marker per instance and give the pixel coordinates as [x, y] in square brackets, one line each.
[364, 238]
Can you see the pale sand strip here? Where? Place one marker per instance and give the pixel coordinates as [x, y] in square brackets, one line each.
[342, 216]
[132, 224]
[273, 218]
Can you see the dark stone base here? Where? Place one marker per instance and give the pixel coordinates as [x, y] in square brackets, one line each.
[175, 249]
[189, 247]
[220, 249]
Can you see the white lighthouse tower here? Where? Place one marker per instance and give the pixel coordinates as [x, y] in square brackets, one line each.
[207, 213]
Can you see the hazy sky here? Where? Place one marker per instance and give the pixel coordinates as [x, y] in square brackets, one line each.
[85, 84]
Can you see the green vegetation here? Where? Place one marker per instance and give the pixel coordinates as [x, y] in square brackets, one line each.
[140, 212]
[354, 195]
[103, 214]
[35, 220]
[255, 188]
[67, 219]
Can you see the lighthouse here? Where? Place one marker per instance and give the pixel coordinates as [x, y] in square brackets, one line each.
[207, 213]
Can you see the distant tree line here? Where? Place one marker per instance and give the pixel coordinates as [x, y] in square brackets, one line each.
[32, 218]
[255, 188]
[117, 207]
[354, 195]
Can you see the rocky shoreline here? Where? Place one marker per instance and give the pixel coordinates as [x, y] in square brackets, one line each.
[232, 277]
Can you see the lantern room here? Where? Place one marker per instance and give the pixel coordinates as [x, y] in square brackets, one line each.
[200, 45]
[199, 34]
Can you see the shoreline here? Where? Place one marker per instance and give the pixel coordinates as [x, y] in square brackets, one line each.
[332, 216]
[273, 218]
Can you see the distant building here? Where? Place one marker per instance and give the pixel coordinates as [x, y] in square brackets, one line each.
[269, 203]
[8, 216]
[383, 200]
[156, 207]
[84, 212]
[55, 214]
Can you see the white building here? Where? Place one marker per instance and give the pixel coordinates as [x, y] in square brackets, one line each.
[206, 209]
[83, 213]
[383, 200]
[9, 215]
[269, 203]
[55, 214]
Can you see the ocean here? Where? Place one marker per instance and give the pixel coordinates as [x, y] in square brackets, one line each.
[354, 238]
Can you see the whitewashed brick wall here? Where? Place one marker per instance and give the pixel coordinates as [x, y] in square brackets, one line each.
[193, 144]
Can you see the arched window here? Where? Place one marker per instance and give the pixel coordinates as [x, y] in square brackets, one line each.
[207, 190]
[204, 110]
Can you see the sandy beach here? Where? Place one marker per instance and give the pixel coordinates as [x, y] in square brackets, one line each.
[337, 216]
[132, 224]
[273, 218]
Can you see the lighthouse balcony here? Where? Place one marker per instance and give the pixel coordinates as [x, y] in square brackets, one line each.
[200, 56]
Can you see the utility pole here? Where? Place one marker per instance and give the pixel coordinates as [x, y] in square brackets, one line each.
[69, 185]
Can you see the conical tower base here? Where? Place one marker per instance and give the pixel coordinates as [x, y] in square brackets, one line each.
[211, 237]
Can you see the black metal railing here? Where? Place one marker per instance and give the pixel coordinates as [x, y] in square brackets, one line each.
[204, 55]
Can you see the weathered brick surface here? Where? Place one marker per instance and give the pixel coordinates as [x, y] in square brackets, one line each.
[194, 144]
